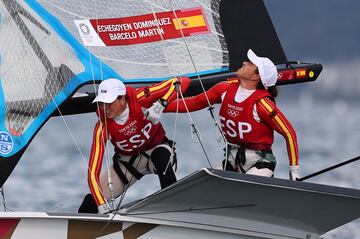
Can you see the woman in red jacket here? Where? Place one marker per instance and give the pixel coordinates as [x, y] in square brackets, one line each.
[248, 118]
[129, 118]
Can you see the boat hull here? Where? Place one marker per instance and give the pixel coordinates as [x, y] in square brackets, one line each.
[25, 225]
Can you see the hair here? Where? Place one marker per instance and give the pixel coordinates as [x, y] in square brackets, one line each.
[273, 90]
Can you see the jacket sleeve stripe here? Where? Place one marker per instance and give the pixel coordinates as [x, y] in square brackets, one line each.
[171, 90]
[160, 87]
[285, 129]
[95, 164]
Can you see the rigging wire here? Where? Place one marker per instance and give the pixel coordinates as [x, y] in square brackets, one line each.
[151, 4]
[172, 147]
[173, 154]
[122, 196]
[126, 187]
[69, 130]
[107, 147]
[210, 106]
[103, 140]
[329, 168]
[94, 87]
[195, 131]
[177, 85]
[191, 121]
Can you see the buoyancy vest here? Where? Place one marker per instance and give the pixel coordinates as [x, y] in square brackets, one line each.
[238, 123]
[137, 134]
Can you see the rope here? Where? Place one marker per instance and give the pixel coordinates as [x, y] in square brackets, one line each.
[329, 168]
[122, 196]
[174, 132]
[210, 107]
[107, 150]
[195, 131]
[127, 186]
[192, 124]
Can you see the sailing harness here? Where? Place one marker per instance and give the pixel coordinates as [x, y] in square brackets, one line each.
[117, 160]
[243, 162]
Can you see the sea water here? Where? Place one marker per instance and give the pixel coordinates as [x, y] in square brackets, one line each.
[51, 176]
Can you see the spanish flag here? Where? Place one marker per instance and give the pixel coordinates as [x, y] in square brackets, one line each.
[300, 73]
[190, 21]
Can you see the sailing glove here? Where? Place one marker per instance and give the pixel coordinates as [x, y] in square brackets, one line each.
[294, 172]
[104, 209]
[154, 113]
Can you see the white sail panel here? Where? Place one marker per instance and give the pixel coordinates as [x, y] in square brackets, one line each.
[154, 59]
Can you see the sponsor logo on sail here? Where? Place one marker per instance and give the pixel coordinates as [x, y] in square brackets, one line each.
[6, 143]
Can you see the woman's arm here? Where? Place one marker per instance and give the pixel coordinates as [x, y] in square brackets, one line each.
[199, 102]
[165, 90]
[95, 162]
[271, 115]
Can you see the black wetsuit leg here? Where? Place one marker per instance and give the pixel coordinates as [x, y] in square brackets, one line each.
[160, 158]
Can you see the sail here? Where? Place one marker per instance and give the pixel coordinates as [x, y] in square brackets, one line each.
[48, 49]
[254, 29]
[147, 40]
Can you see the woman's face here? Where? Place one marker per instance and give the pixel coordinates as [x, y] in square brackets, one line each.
[115, 108]
[248, 72]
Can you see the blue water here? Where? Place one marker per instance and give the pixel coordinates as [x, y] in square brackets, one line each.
[52, 173]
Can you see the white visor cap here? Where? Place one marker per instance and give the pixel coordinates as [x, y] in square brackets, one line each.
[267, 70]
[109, 90]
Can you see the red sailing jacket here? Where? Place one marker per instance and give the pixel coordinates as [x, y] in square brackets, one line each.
[238, 123]
[136, 135]
[270, 116]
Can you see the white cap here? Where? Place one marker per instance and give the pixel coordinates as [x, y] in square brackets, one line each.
[267, 70]
[109, 90]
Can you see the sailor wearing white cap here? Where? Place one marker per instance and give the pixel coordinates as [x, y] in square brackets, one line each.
[129, 118]
[249, 117]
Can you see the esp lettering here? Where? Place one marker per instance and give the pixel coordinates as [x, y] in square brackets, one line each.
[233, 131]
[136, 140]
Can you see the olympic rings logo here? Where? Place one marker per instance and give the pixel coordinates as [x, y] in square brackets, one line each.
[232, 113]
[130, 131]
[84, 29]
